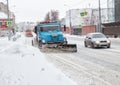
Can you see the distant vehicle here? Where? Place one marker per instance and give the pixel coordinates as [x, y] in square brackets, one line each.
[28, 33]
[96, 40]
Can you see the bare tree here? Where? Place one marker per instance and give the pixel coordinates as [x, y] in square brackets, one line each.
[47, 17]
[54, 15]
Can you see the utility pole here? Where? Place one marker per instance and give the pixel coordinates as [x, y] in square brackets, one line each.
[9, 34]
[100, 29]
[70, 22]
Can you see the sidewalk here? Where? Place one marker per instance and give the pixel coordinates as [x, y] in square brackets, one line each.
[22, 64]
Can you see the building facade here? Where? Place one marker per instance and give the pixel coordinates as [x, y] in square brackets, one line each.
[111, 10]
[4, 22]
[3, 7]
[113, 27]
[77, 18]
[117, 10]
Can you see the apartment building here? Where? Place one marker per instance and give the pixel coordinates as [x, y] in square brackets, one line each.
[4, 17]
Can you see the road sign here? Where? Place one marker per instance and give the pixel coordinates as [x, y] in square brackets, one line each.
[9, 23]
[83, 13]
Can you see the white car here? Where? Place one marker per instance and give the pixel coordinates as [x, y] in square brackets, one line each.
[97, 40]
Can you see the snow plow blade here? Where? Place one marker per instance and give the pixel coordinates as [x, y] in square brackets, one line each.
[69, 47]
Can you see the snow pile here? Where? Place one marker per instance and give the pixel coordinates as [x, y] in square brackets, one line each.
[115, 40]
[21, 64]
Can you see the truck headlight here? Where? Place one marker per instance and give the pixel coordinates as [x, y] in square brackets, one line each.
[43, 41]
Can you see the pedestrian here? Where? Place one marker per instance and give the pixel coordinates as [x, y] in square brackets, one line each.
[13, 31]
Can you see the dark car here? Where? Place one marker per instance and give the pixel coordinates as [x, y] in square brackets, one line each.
[96, 40]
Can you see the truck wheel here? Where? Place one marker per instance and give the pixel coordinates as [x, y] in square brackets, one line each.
[85, 44]
[65, 42]
[36, 39]
[40, 43]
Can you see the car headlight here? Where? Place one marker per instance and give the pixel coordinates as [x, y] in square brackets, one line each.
[97, 41]
[108, 41]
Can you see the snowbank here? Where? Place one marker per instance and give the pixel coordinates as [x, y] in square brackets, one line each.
[22, 64]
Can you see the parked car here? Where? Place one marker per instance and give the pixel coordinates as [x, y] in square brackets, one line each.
[97, 40]
[28, 33]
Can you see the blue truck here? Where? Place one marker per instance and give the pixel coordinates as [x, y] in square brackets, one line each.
[50, 33]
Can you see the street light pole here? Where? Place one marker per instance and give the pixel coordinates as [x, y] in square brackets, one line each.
[9, 34]
[70, 22]
[100, 29]
[70, 19]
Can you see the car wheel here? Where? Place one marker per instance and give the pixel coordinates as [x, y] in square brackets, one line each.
[32, 43]
[92, 45]
[108, 46]
[85, 44]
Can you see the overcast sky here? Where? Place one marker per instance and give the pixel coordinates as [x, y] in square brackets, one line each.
[35, 10]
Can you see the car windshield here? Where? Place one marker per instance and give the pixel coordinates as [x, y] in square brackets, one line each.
[98, 36]
[49, 28]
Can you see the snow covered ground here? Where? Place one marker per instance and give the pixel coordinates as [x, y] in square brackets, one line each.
[22, 64]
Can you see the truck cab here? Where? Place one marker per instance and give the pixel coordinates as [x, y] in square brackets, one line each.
[50, 33]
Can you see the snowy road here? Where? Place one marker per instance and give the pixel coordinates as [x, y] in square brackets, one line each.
[89, 66]
[22, 64]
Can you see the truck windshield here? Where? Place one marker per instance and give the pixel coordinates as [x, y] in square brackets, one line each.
[49, 28]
